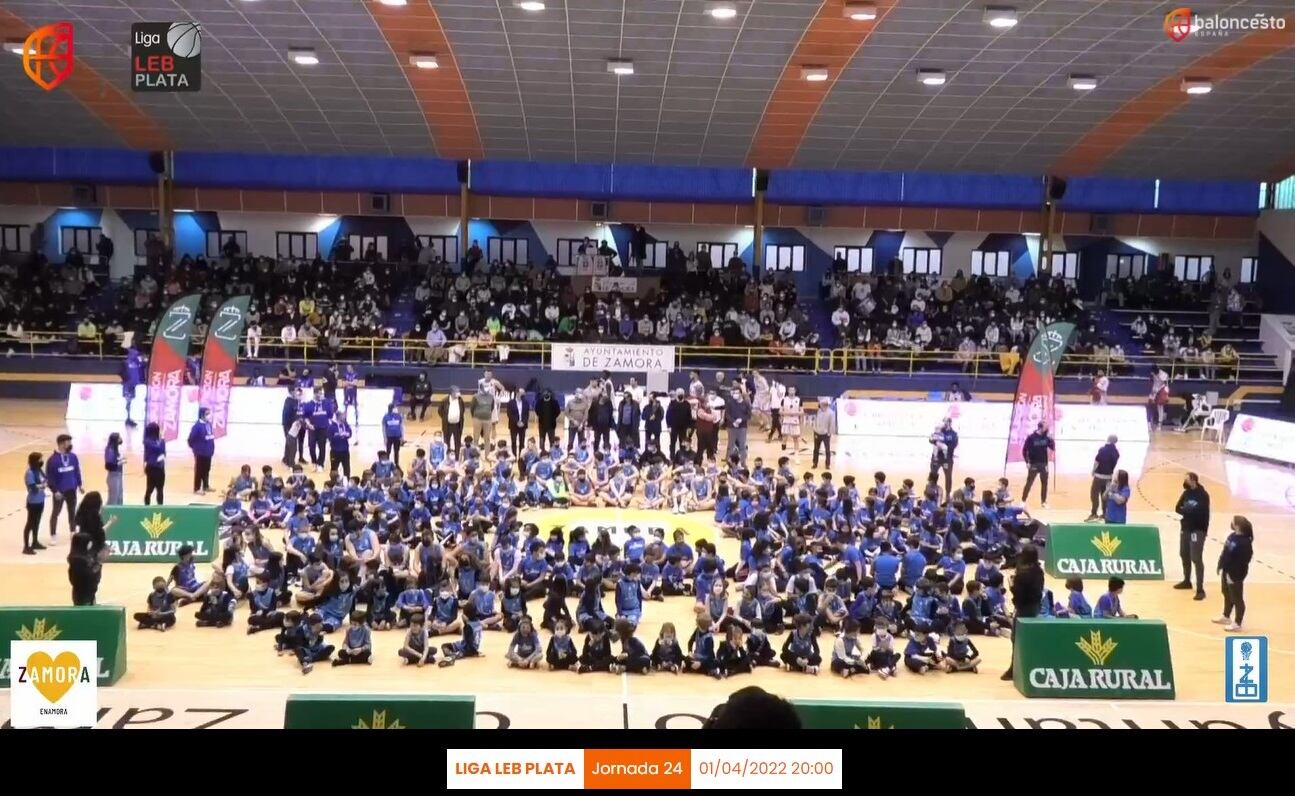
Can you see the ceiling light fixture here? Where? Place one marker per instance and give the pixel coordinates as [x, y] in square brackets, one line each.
[722, 10]
[529, 5]
[14, 46]
[424, 61]
[815, 74]
[861, 12]
[620, 66]
[931, 77]
[304, 56]
[1197, 86]
[1001, 16]
[393, 2]
[1083, 83]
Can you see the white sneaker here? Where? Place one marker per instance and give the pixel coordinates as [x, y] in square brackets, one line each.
[1232, 627]
[1222, 620]
[1043, 505]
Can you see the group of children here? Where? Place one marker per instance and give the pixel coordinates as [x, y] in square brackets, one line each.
[407, 548]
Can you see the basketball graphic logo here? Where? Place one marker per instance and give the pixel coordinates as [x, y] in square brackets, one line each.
[1178, 24]
[184, 39]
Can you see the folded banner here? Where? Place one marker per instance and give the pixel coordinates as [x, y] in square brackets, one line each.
[220, 359]
[617, 283]
[106, 625]
[614, 358]
[166, 365]
[1100, 551]
[156, 533]
[1126, 659]
[1035, 391]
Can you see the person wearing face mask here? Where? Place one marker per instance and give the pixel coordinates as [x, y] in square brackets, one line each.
[1234, 565]
[547, 411]
[202, 441]
[577, 412]
[653, 415]
[452, 411]
[421, 397]
[678, 418]
[1193, 508]
[63, 470]
[1036, 451]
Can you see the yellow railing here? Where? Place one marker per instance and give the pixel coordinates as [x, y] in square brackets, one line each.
[44, 343]
[932, 362]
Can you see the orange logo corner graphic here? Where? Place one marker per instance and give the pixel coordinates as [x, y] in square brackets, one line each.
[1178, 23]
[48, 54]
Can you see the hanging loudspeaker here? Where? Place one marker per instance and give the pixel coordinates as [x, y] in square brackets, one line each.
[1056, 188]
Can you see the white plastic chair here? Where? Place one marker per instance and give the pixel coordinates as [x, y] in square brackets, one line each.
[1215, 422]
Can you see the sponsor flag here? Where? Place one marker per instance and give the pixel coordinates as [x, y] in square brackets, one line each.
[1035, 391]
[220, 359]
[166, 365]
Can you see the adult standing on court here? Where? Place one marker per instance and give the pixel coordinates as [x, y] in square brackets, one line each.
[678, 418]
[393, 432]
[653, 415]
[1194, 508]
[154, 463]
[547, 412]
[34, 480]
[1117, 499]
[483, 416]
[790, 420]
[628, 417]
[202, 441]
[519, 420]
[739, 418]
[63, 469]
[132, 375]
[452, 412]
[577, 412]
[1103, 470]
[943, 452]
[339, 441]
[1234, 565]
[824, 426]
[761, 400]
[1158, 398]
[1027, 594]
[709, 415]
[293, 421]
[1036, 451]
[113, 462]
[89, 521]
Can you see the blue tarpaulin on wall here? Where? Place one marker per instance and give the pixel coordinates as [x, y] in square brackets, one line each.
[1209, 197]
[832, 188]
[91, 165]
[1109, 194]
[316, 173]
[700, 184]
[973, 191]
[541, 179]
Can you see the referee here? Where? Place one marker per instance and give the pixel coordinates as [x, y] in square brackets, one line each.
[1194, 508]
[1103, 471]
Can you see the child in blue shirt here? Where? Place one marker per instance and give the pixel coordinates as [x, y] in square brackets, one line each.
[561, 652]
[629, 594]
[470, 644]
[357, 646]
[1108, 606]
[800, 651]
[885, 568]
[882, 659]
[961, 654]
[701, 648]
[1076, 604]
[922, 653]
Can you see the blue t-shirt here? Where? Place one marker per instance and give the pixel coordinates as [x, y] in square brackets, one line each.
[1118, 512]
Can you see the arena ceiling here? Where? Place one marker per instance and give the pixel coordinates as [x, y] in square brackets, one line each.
[534, 85]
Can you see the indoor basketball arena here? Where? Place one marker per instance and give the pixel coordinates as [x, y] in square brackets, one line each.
[649, 365]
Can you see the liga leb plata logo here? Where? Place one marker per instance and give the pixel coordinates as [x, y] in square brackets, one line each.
[166, 57]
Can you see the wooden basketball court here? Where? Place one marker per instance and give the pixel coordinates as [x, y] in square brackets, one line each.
[174, 676]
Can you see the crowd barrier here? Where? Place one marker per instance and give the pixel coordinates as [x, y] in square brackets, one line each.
[1100, 551]
[1262, 437]
[106, 625]
[1081, 658]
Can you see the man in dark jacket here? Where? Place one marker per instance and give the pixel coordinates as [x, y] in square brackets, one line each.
[653, 416]
[547, 411]
[519, 419]
[678, 418]
[1037, 452]
[293, 426]
[1194, 508]
[601, 417]
[738, 411]
[453, 411]
[627, 421]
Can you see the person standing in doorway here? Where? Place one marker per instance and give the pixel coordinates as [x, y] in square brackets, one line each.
[113, 462]
[1194, 509]
[154, 463]
[452, 412]
[1234, 565]
[64, 472]
[1037, 453]
[34, 480]
[824, 426]
[202, 441]
[1103, 470]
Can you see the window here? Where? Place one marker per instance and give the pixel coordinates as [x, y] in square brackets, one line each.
[445, 247]
[654, 255]
[296, 244]
[360, 245]
[1065, 265]
[923, 261]
[83, 239]
[514, 249]
[720, 252]
[784, 257]
[568, 249]
[13, 238]
[1283, 194]
[1126, 265]
[1249, 270]
[1193, 268]
[216, 242]
[993, 263]
[141, 239]
[857, 259]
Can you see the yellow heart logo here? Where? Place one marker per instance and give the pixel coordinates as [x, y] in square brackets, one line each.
[53, 677]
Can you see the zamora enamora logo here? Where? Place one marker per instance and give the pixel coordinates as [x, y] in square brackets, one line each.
[1098, 650]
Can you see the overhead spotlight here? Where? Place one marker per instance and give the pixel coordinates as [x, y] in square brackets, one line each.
[14, 46]
[1197, 86]
[620, 66]
[1083, 83]
[931, 77]
[529, 5]
[1001, 16]
[813, 73]
[183, 211]
[304, 56]
[722, 10]
[394, 2]
[861, 12]
[424, 61]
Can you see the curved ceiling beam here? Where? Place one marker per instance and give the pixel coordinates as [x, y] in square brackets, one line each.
[1155, 104]
[830, 42]
[101, 96]
[441, 93]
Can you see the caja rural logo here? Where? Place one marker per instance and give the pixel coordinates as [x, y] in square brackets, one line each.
[48, 54]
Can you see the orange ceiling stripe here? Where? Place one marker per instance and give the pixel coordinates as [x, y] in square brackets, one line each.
[441, 93]
[103, 98]
[830, 41]
[1155, 104]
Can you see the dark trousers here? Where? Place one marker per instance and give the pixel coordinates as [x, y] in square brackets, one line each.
[1234, 597]
[318, 447]
[289, 448]
[201, 473]
[573, 435]
[419, 407]
[653, 436]
[83, 595]
[393, 448]
[61, 500]
[31, 528]
[604, 436]
[947, 469]
[707, 443]
[1040, 470]
[824, 440]
[628, 434]
[154, 480]
[678, 436]
[548, 436]
[516, 439]
[346, 658]
[454, 437]
[1095, 493]
[1191, 549]
[343, 460]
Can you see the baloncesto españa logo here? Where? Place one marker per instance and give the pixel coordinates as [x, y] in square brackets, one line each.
[1182, 23]
[48, 54]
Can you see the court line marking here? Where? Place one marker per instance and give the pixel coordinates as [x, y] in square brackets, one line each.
[1223, 639]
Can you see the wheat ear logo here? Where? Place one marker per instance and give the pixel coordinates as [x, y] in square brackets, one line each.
[874, 724]
[1097, 649]
[39, 631]
[377, 721]
[1107, 544]
[156, 525]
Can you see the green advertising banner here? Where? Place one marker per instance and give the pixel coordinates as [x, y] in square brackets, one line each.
[1098, 550]
[106, 625]
[863, 714]
[1124, 659]
[380, 712]
[156, 533]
